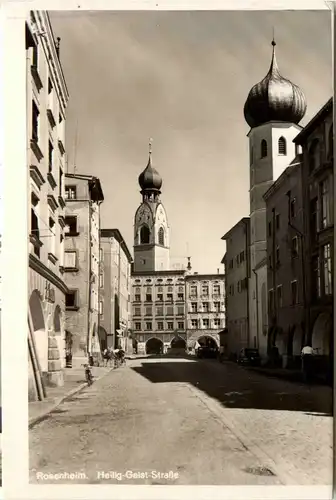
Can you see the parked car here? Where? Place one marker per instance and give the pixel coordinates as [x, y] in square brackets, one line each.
[207, 352]
[249, 357]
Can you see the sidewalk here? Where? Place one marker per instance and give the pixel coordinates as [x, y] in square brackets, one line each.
[74, 381]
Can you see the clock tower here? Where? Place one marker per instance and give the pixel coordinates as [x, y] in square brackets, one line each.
[151, 230]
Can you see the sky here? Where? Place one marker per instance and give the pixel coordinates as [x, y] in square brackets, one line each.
[180, 78]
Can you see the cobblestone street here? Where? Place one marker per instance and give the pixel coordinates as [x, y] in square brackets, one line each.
[191, 422]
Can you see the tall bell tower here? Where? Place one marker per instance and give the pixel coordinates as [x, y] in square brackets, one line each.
[151, 230]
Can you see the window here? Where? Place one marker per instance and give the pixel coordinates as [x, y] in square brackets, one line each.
[271, 300]
[316, 281]
[101, 279]
[180, 310]
[237, 260]
[180, 296]
[71, 226]
[242, 256]
[70, 192]
[205, 290]
[148, 297]
[149, 325]
[327, 269]
[277, 221]
[60, 182]
[35, 56]
[170, 289]
[50, 156]
[137, 298]
[205, 306]
[217, 306]
[180, 325]
[138, 326]
[159, 311]
[70, 259]
[148, 289]
[181, 289]
[170, 311]
[144, 235]
[314, 155]
[244, 284]
[160, 325]
[231, 290]
[34, 225]
[295, 247]
[205, 323]
[263, 149]
[193, 291]
[137, 289]
[149, 311]
[239, 286]
[161, 236]
[277, 255]
[270, 261]
[194, 323]
[101, 307]
[52, 235]
[160, 297]
[194, 307]
[137, 311]
[170, 325]
[231, 264]
[293, 208]
[217, 322]
[71, 299]
[313, 218]
[282, 146]
[216, 289]
[170, 297]
[279, 296]
[270, 228]
[325, 204]
[295, 292]
[160, 289]
[35, 124]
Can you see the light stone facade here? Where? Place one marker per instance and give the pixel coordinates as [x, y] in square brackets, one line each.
[47, 98]
[82, 251]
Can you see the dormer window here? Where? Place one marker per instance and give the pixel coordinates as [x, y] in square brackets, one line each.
[263, 149]
[282, 146]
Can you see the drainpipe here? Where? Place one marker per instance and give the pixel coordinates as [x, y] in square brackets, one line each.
[257, 300]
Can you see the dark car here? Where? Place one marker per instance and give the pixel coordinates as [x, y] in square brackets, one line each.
[249, 357]
[207, 352]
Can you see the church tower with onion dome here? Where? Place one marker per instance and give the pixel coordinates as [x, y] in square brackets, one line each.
[151, 230]
[273, 110]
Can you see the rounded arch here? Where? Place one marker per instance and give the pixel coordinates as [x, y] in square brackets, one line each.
[178, 343]
[36, 310]
[144, 234]
[331, 142]
[207, 341]
[322, 332]
[68, 341]
[57, 320]
[314, 154]
[282, 146]
[102, 336]
[263, 149]
[161, 236]
[154, 346]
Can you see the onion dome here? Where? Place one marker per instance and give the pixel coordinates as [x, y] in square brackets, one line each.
[275, 98]
[150, 179]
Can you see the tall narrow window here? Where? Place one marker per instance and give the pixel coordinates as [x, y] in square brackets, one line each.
[50, 156]
[325, 203]
[144, 234]
[263, 149]
[327, 269]
[60, 182]
[316, 289]
[35, 122]
[295, 292]
[161, 236]
[282, 146]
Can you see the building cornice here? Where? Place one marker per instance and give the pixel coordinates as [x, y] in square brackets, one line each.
[40, 268]
[155, 274]
[205, 276]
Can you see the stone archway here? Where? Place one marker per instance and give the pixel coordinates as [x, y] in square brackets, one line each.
[178, 343]
[102, 336]
[40, 336]
[154, 346]
[321, 335]
[207, 341]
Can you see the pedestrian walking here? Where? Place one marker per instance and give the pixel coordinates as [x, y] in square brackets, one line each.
[307, 355]
[106, 357]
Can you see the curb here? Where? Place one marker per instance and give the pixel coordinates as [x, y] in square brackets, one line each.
[35, 420]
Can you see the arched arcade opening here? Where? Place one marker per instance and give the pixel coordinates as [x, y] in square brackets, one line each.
[154, 346]
[178, 343]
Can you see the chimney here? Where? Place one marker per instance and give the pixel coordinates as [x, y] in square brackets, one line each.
[58, 46]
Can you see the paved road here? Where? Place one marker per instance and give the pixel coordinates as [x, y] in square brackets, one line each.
[177, 421]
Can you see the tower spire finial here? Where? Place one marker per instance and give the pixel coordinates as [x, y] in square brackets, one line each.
[273, 39]
[150, 146]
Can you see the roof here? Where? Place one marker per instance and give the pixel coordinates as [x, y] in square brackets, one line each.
[94, 183]
[115, 233]
[168, 272]
[223, 259]
[244, 220]
[314, 122]
[296, 163]
[205, 276]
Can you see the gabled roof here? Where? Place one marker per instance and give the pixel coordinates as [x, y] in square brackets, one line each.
[314, 122]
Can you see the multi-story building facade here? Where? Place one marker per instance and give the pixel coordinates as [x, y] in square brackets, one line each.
[205, 309]
[273, 109]
[237, 272]
[84, 196]
[47, 99]
[115, 291]
[285, 271]
[317, 141]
